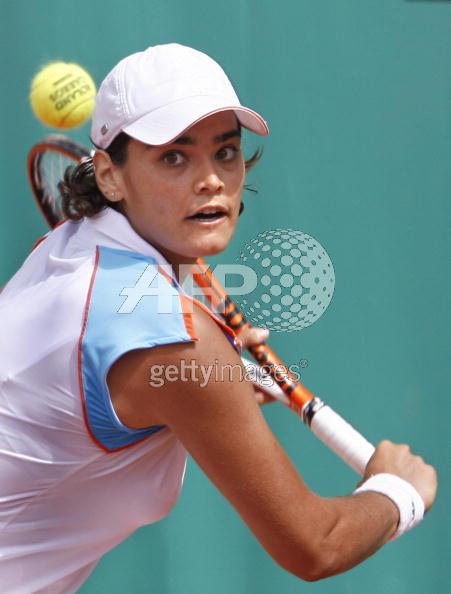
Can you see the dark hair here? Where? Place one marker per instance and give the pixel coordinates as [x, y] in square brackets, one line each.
[80, 194]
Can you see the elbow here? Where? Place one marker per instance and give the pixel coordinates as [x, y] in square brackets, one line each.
[315, 561]
[317, 552]
[313, 570]
[320, 572]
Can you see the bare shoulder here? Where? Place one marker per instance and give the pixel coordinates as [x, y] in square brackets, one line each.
[144, 382]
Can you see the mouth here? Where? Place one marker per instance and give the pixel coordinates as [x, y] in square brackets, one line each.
[209, 214]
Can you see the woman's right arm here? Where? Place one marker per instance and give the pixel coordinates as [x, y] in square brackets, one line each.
[222, 427]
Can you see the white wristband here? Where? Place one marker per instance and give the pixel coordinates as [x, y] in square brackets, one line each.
[403, 494]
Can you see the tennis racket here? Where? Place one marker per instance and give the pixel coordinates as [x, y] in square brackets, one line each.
[46, 164]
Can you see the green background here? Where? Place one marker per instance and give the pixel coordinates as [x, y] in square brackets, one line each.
[358, 97]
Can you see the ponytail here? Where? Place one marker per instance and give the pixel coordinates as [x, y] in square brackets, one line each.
[80, 194]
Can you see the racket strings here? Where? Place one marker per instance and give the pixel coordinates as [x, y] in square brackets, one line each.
[51, 167]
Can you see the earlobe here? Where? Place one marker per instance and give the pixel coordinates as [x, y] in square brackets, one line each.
[105, 176]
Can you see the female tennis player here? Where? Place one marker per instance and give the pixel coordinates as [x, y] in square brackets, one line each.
[112, 372]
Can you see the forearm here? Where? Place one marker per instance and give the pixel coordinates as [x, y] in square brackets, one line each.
[314, 537]
[348, 530]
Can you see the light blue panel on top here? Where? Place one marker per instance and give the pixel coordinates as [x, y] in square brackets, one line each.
[132, 306]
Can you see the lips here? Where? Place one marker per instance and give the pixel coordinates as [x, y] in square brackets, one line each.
[208, 213]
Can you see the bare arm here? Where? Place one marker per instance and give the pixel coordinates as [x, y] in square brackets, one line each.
[223, 429]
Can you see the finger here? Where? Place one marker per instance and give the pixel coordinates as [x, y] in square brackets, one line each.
[253, 336]
[263, 397]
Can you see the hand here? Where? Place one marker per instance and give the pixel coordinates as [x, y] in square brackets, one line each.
[399, 460]
[250, 336]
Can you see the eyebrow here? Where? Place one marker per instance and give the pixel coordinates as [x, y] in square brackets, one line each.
[217, 139]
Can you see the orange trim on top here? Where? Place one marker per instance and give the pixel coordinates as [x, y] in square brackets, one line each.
[80, 354]
[220, 323]
[188, 316]
[167, 276]
[187, 310]
[59, 223]
[80, 368]
[38, 242]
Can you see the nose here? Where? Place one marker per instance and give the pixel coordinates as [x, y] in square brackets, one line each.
[208, 182]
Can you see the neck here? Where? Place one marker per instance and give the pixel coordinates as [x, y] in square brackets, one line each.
[181, 265]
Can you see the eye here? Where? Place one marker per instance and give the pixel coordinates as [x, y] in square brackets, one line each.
[173, 158]
[227, 153]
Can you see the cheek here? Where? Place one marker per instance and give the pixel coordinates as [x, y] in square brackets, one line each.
[156, 210]
[167, 199]
[235, 180]
[149, 193]
[241, 175]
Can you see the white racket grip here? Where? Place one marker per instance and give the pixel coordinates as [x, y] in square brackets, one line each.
[341, 438]
[326, 424]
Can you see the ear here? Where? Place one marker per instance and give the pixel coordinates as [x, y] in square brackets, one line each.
[107, 176]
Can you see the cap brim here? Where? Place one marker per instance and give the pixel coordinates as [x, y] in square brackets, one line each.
[164, 125]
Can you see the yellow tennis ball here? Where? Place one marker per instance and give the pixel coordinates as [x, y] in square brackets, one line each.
[62, 95]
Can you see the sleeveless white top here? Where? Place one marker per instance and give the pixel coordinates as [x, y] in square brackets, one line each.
[74, 481]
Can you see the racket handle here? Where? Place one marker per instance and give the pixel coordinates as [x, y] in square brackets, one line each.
[336, 433]
[264, 381]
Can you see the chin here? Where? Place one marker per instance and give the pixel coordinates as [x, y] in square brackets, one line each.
[206, 250]
[212, 246]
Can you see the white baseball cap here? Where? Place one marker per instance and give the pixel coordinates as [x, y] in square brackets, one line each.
[157, 94]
